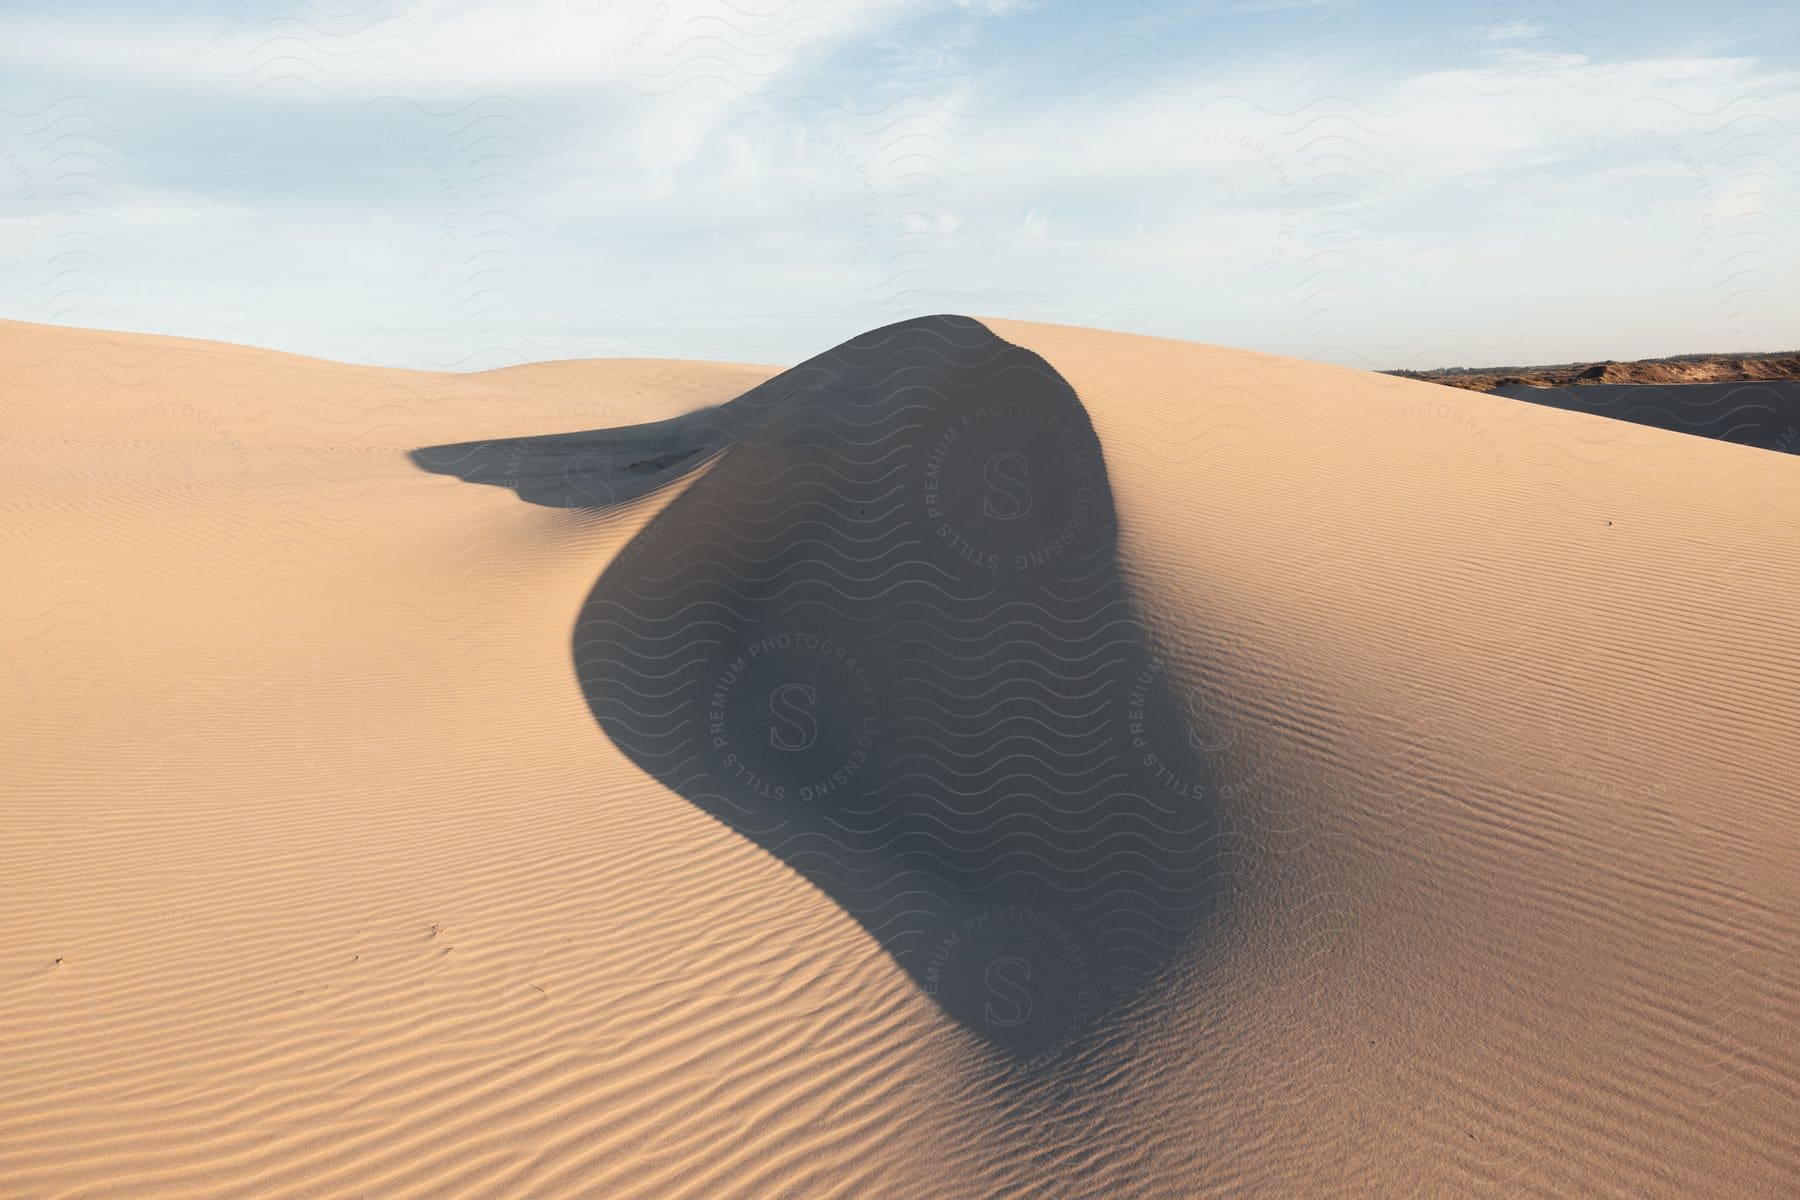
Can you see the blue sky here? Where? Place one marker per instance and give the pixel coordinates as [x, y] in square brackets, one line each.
[466, 184]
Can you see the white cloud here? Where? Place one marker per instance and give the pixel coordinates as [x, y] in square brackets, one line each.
[1266, 6]
[452, 47]
[996, 8]
[1510, 31]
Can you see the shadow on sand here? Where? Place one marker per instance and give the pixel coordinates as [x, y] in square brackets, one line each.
[887, 638]
[1764, 414]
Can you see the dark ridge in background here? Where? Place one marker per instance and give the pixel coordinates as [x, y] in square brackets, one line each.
[1677, 369]
[1750, 399]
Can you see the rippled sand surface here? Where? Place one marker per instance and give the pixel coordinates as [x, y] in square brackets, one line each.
[1360, 789]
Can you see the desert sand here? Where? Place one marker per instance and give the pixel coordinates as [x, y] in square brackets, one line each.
[1344, 787]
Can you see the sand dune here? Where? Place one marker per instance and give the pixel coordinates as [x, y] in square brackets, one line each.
[1376, 790]
[886, 638]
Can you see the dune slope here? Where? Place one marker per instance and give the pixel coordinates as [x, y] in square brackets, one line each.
[353, 848]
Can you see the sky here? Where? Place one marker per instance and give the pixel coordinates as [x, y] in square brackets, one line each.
[467, 184]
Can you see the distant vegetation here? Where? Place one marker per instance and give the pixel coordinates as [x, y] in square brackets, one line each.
[1680, 368]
